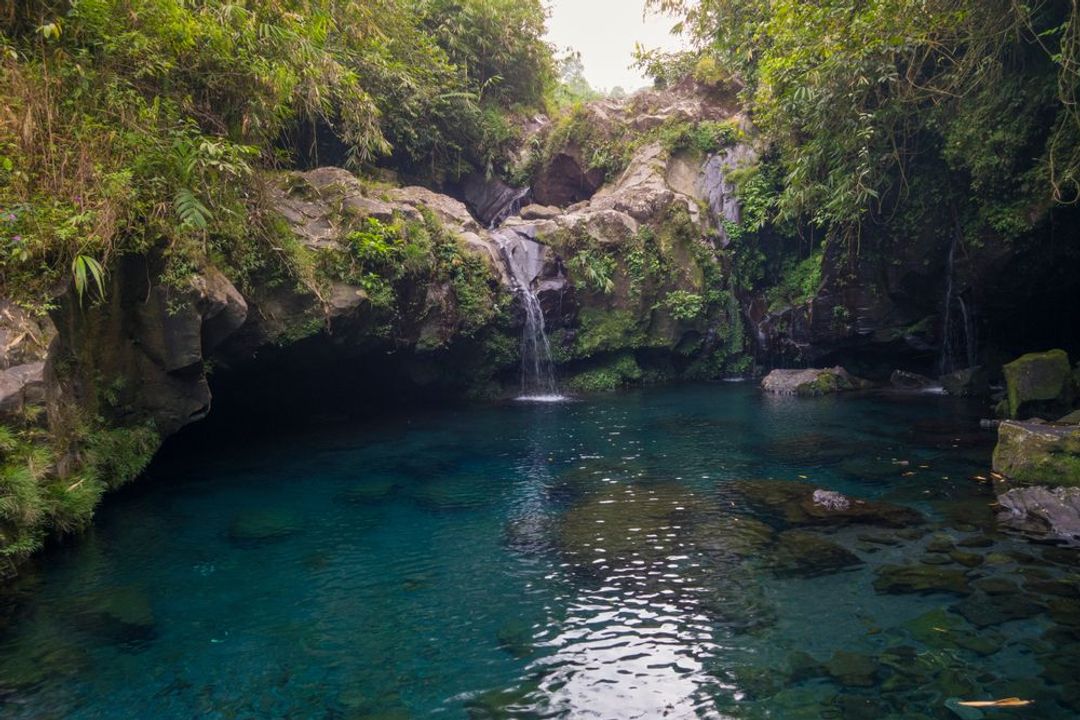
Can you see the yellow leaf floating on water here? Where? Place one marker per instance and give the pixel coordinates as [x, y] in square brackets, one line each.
[1003, 703]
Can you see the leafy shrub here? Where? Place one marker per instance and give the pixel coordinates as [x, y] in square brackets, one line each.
[702, 138]
[799, 282]
[683, 305]
[596, 268]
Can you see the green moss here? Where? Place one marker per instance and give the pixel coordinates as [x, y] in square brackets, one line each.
[619, 372]
[394, 263]
[799, 283]
[1038, 377]
[1032, 454]
[607, 331]
[304, 328]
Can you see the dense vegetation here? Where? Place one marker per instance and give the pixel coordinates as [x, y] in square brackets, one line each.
[150, 127]
[137, 124]
[875, 109]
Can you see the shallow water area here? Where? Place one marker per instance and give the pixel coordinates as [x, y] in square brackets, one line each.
[687, 552]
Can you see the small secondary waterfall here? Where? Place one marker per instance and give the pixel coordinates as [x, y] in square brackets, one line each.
[511, 207]
[958, 347]
[524, 260]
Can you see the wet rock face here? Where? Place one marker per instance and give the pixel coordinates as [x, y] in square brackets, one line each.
[718, 189]
[154, 337]
[491, 200]
[811, 382]
[1043, 511]
[1037, 382]
[1030, 453]
[567, 179]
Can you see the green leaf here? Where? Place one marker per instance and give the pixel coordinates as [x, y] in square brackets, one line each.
[191, 212]
[84, 268]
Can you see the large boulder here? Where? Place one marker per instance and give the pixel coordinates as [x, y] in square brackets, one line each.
[811, 382]
[24, 346]
[21, 386]
[1037, 382]
[1035, 453]
[1043, 511]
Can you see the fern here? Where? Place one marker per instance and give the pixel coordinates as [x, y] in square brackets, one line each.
[191, 212]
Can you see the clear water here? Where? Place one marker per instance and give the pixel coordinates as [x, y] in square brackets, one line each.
[597, 559]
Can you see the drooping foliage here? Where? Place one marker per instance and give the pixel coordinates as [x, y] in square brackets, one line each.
[861, 99]
[138, 124]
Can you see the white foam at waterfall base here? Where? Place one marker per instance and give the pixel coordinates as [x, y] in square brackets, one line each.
[543, 398]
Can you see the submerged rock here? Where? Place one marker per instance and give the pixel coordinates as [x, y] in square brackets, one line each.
[369, 491]
[733, 599]
[804, 504]
[623, 522]
[254, 527]
[803, 554]
[1038, 381]
[122, 614]
[921, 579]
[853, 669]
[515, 637]
[1043, 511]
[987, 610]
[1031, 453]
[731, 536]
[940, 629]
[811, 382]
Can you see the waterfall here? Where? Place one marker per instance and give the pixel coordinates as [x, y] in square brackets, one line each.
[524, 260]
[951, 330]
[511, 207]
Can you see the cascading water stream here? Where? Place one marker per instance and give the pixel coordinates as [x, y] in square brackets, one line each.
[511, 208]
[525, 260]
[951, 331]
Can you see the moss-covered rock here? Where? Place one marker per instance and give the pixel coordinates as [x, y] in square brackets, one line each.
[1038, 454]
[1036, 381]
[811, 382]
[619, 372]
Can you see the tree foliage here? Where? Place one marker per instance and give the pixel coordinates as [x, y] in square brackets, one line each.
[138, 124]
[859, 96]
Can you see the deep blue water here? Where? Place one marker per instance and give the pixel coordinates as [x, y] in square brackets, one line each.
[617, 557]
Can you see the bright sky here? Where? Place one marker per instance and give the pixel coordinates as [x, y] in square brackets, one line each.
[605, 32]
